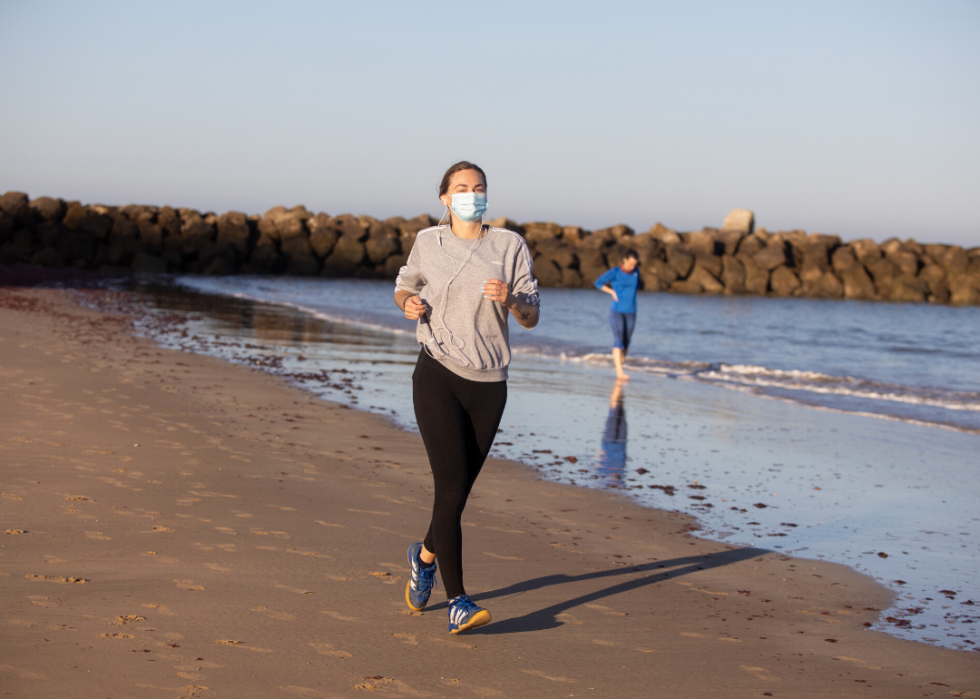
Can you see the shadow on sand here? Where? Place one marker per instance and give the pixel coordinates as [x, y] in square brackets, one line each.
[546, 618]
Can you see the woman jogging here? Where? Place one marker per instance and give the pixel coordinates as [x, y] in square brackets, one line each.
[621, 283]
[462, 282]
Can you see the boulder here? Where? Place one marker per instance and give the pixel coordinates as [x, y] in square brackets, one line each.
[681, 260]
[647, 247]
[49, 257]
[572, 235]
[265, 255]
[85, 219]
[772, 256]
[964, 289]
[712, 263]
[149, 264]
[907, 288]
[657, 276]
[50, 233]
[843, 258]
[122, 227]
[701, 243]
[883, 272]
[934, 277]
[298, 253]
[381, 248]
[783, 281]
[685, 286]
[16, 205]
[857, 284]
[152, 236]
[810, 275]
[701, 276]
[752, 244]
[827, 287]
[6, 225]
[77, 246]
[892, 245]
[393, 265]
[350, 227]
[665, 235]
[174, 258]
[267, 227]
[727, 242]
[12, 254]
[47, 209]
[196, 234]
[233, 229]
[536, 232]
[423, 221]
[217, 259]
[907, 262]
[756, 277]
[300, 213]
[547, 272]
[571, 278]
[561, 254]
[733, 275]
[913, 247]
[740, 220]
[347, 255]
[122, 251]
[168, 221]
[817, 248]
[935, 251]
[865, 250]
[954, 259]
[323, 236]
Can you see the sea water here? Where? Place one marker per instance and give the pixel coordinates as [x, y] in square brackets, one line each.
[844, 431]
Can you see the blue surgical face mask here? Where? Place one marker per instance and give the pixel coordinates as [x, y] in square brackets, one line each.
[469, 206]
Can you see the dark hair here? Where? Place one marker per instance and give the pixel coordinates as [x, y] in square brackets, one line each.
[632, 253]
[461, 165]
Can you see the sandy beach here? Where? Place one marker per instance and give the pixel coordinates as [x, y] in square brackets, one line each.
[177, 526]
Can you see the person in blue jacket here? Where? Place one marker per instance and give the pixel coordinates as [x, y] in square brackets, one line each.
[621, 283]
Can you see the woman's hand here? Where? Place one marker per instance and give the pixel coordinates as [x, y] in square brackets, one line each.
[496, 290]
[612, 292]
[411, 304]
[524, 313]
[414, 308]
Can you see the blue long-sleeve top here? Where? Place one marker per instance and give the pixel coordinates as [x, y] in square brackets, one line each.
[624, 284]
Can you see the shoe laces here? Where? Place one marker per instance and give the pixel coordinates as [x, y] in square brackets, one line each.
[464, 602]
[427, 577]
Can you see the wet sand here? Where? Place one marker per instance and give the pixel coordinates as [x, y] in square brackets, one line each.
[177, 526]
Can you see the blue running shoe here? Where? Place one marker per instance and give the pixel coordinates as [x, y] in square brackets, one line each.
[422, 581]
[464, 615]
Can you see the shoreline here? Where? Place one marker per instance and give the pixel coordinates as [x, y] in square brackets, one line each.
[549, 576]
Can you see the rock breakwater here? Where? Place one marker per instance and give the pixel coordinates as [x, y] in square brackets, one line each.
[736, 259]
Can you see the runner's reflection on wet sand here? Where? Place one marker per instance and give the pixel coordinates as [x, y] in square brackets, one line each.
[611, 461]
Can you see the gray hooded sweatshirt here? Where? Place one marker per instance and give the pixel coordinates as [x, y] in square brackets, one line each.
[462, 330]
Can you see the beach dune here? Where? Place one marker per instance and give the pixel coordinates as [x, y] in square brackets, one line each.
[177, 526]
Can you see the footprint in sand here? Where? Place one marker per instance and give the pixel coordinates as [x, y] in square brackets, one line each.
[126, 619]
[606, 610]
[538, 673]
[54, 560]
[567, 618]
[281, 616]
[188, 585]
[407, 638]
[60, 579]
[338, 615]
[121, 636]
[614, 644]
[691, 634]
[215, 566]
[41, 601]
[98, 536]
[864, 664]
[158, 608]
[760, 672]
[241, 644]
[504, 558]
[306, 692]
[22, 674]
[295, 590]
[14, 532]
[327, 649]
[377, 682]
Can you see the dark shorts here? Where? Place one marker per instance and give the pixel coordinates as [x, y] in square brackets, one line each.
[622, 327]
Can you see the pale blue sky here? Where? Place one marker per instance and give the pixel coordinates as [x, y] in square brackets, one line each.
[856, 118]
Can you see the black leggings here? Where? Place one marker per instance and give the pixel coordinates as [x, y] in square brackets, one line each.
[458, 419]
